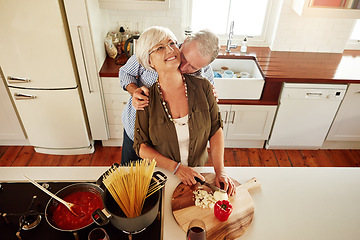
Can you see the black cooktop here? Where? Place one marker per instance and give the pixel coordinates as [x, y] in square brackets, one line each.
[15, 199]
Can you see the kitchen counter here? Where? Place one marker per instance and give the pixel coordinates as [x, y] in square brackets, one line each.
[279, 67]
[292, 203]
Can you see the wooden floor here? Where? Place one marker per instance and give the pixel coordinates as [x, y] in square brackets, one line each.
[106, 156]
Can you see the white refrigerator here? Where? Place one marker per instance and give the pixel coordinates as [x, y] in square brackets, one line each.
[37, 64]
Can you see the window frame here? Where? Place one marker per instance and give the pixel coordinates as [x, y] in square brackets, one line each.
[260, 41]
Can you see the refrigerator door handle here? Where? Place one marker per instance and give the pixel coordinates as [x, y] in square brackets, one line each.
[17, 79]
[83, 57]
[23, 96]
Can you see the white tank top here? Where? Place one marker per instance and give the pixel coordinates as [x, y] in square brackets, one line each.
[182, 131]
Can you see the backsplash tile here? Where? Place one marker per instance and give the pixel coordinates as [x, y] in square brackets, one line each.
[142, 19]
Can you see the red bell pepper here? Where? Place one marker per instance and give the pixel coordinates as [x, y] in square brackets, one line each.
[222, 210]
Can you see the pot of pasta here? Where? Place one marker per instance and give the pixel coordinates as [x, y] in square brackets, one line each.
[131, 196]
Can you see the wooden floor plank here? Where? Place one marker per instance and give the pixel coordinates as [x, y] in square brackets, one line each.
[282, 158]
[241, 157]
[2, 150]
[10, 155]
[309, 158]
[355, 155]
[24, 157]
[339, 158]
[254, 157]
[268, 158]
[296, 158]
[65, 161]
[83, 160]
[228, 157]
[106, 157]
[322, 158]
[40, 159]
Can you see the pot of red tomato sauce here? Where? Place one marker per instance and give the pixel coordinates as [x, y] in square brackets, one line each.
[87, 196]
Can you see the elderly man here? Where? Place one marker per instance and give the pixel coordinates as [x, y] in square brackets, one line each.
[197, 52]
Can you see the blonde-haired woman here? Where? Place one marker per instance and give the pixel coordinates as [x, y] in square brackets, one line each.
[182, 115]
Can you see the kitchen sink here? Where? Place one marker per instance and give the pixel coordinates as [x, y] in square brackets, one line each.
[238, 87]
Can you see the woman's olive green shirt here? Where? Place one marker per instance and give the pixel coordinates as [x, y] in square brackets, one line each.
[154, 128]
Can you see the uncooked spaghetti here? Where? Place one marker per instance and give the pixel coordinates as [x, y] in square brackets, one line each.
[129, 185]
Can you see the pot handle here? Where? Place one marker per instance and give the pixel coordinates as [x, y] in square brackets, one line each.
[100, 217]
[100, 179]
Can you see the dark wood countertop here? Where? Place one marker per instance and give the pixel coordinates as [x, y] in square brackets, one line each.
[279, 67]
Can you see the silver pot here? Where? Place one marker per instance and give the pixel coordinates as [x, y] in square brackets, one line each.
[113, 213]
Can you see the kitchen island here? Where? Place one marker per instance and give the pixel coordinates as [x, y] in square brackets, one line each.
[292, 203]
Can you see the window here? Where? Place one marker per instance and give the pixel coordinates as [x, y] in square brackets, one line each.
[356, 32]
[354, 41]
[250, 16]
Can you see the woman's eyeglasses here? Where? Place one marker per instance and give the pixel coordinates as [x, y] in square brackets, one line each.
[162, 47]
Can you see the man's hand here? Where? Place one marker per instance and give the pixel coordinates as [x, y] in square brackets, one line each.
[215, 94]
[140, 98]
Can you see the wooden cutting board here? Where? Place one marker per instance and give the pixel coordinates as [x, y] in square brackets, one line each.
[184, 209]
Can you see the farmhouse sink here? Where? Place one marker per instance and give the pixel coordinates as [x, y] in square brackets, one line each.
[249, 87]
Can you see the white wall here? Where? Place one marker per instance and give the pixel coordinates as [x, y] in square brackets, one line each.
[310, 34]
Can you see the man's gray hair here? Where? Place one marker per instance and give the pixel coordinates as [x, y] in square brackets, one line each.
[207, 43]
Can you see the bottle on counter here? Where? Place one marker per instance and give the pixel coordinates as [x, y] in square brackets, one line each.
[243, 48]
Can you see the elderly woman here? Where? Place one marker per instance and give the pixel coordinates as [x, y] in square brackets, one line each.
[182, 115]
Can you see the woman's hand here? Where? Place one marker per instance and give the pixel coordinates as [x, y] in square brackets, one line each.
[187, 174]
[229, 185]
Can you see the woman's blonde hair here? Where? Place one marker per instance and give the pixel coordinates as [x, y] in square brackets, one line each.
[148, 40]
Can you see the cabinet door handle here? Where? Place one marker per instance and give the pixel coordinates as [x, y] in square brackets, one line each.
[83, 57]
[226, 116]
[233, 117]
[17, 79]
[23, 96]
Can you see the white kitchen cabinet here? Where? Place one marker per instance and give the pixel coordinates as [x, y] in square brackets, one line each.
[345, 130]
[305, 8]
[135, 4]
[11, 132]
[115, 101]
[247, 125]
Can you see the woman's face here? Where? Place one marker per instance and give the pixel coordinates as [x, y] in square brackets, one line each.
[165, 55]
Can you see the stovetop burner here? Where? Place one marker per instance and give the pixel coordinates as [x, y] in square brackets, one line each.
[18, 218]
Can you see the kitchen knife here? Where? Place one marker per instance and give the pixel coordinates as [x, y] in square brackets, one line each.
[209, 185]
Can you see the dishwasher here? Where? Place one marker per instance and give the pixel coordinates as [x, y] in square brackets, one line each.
[304, 115]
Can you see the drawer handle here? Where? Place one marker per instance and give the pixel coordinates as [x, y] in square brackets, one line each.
[23, 96]
[233, 117]
[314, 94]
[17, 79]
[226, 116]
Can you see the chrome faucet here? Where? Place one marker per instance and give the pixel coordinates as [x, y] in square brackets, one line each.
[228, 42]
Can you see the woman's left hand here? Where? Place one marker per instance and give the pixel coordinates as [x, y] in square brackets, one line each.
[229, 185]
